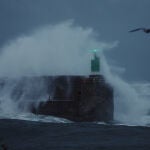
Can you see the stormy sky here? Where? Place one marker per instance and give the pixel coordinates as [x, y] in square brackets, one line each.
[111, 19]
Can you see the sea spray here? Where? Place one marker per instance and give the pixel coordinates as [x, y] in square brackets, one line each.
[130, 106]
[63, 49]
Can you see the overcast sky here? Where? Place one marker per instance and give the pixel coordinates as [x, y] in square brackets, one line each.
[111, 19]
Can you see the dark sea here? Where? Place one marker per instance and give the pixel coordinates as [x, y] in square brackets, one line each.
[29, 135]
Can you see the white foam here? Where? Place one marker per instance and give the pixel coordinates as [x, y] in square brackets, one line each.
[63, 49]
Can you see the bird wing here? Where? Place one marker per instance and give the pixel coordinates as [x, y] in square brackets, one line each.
[136, 29]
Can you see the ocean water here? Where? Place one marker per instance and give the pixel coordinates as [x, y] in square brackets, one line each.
[23, 135]
[23, 130]
[64, 49]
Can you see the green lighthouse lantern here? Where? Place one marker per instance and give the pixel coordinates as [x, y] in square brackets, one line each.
[95, 63]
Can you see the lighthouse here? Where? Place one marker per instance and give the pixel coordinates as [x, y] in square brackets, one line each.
[95, 63]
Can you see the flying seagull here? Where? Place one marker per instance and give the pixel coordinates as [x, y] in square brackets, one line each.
[143, 29]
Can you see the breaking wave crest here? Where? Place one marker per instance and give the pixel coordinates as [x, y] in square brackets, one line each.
[62, 49]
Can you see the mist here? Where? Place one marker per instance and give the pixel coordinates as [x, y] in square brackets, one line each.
[64, 49]
[52, 50]
[131, 100]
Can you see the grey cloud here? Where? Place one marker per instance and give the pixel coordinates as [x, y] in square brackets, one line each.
[111, 19]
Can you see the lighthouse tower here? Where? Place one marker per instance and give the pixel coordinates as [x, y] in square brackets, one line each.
[95, 64]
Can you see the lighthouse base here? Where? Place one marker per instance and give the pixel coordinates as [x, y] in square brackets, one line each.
[78, 98]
